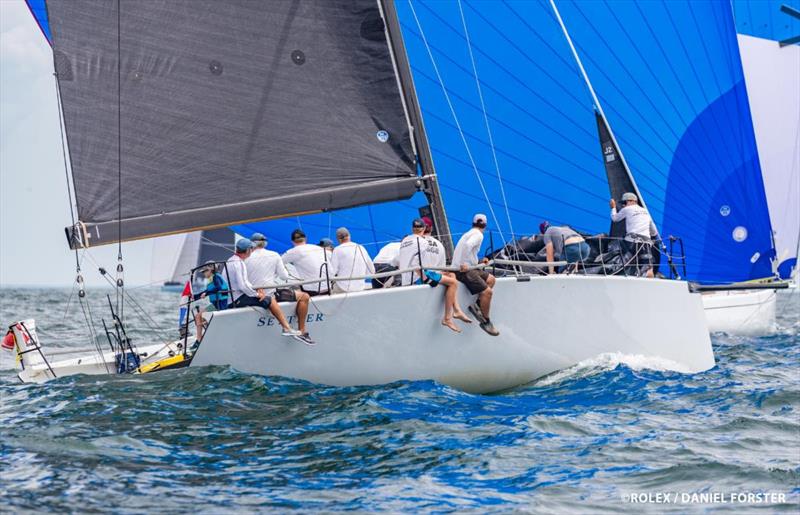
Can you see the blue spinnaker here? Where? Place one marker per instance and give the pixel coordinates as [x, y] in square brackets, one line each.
[669, 77]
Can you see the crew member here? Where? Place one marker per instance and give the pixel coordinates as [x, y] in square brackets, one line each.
[639, 230]
[308, 261]
[349, 259]
[436, 250]
[384, 263]
[242, 290]
[478, 282]
[562, 242]
[216, 293]
[265, 267]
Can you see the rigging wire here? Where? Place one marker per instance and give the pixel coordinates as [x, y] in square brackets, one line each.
[120, 283]
[79, 283]
[152, 324]
[458, 124]
[486, 120]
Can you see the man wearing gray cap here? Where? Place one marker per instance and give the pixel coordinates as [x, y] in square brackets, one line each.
[478, 282]
[639, 229]
[349, 259]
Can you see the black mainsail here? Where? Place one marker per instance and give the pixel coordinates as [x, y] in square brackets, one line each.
[227, 112]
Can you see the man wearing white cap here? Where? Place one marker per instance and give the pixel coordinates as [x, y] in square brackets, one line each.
[266, 267]
[639, 228]
[478, 282]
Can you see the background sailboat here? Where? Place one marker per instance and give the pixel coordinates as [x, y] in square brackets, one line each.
[175, 255]
[768, 32]
[672, 80]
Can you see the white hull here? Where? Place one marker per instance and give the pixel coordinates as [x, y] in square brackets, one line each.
[85, 361]
[747, 313]
[546, 324]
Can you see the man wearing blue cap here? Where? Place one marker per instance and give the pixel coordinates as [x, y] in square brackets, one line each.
[242, 290]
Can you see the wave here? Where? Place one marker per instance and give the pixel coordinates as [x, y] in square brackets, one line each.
[609, 361]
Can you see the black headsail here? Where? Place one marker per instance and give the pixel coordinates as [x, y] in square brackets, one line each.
[619, 178]
[229, 112]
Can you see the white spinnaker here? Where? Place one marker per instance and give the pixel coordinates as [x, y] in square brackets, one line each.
[772, 76]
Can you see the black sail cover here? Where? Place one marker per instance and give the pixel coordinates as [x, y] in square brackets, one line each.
[230, 111]
[619, 179]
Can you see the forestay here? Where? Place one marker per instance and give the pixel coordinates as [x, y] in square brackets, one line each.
[227, 112]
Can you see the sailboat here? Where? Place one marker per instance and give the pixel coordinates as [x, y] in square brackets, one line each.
[767, 33]
[175, 255]
[311, 107]
[671, 78]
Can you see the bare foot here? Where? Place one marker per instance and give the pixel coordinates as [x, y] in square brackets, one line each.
[463, 317]
[449, 323]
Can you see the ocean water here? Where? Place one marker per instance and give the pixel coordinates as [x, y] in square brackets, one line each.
[592, 438]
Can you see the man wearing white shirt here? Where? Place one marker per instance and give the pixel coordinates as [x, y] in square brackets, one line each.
[349, 259]
[478, 282]
[639, 229]
[309, 262]
[384, 263]
[242, 290]
[413, 253]
[266, 267]
[447, 279]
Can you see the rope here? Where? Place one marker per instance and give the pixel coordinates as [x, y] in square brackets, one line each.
[120, 283]
[455, 118]
[486, 121]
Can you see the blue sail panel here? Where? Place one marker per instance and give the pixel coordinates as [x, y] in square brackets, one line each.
[670, 80]
[39, 11]
[539, 113]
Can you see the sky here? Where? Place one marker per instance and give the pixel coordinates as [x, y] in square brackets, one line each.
[34, 208]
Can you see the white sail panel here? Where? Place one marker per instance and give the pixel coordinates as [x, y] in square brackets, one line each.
[772, 75]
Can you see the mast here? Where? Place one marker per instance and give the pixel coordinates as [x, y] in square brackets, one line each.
[418, 137]
[598, 107]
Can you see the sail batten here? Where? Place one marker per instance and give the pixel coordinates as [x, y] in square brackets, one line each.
[229, 112]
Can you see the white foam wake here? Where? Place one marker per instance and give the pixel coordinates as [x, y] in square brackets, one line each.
[609, 361]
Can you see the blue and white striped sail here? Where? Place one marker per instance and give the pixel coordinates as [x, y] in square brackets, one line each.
[769, 43]
[670, 79]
